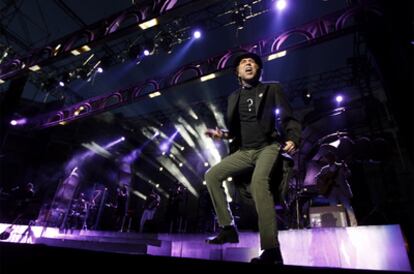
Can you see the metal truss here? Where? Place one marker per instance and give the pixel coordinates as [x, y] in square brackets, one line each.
[174, 27]
[103, 31]
[317, 31]
[319, 84]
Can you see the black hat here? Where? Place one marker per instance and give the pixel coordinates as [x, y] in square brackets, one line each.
[252, 55]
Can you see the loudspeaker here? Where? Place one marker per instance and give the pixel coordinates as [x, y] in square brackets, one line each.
[328, 216]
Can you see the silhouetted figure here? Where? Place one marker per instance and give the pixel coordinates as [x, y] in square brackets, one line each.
[172, 215]
[121, 206]
[332, 181]
[150, 208]
[24, 198]
[78, 213]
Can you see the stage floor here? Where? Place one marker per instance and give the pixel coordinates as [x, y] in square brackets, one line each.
[364, 247]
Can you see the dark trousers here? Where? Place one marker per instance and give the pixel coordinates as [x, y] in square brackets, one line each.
[263, 161]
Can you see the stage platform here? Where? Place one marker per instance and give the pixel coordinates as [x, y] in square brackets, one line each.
[339, 248]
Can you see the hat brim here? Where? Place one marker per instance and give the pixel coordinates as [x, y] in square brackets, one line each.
[254, 56]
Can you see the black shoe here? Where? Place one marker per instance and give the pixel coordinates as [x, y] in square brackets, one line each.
[269, 256]
[227, 235]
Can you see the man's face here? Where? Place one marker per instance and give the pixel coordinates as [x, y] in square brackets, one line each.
[247, 69]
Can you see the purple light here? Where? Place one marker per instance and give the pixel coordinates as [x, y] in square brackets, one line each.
[197, 34]
[121, 139]
[277, 111]
[99, 70]
[146, 52]
[167, 143]
[164, 147]
[339, 98]
[61, 84]
[280, 4]
[18, 122]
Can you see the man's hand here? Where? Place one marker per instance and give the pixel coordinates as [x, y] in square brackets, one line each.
[289, 147]
[214, 133]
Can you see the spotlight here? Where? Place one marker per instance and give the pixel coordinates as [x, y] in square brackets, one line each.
[99, 70]
[280, 4]
[148, 48]
[339, 99]
[164, 147]
[61, 83]
[306, 97]
[180, 164]
[206, 164]
[197, 34]
[277, 111]
[18, 122]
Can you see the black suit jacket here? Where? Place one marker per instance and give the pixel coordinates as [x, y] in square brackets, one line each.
[269, 96]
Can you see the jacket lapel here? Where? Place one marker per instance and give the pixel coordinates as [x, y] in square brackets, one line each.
[234, 99]
[260, 94]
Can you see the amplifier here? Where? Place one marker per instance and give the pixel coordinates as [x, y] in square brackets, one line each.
[328, 216]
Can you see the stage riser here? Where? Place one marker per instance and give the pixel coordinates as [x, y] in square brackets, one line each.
[363, 247]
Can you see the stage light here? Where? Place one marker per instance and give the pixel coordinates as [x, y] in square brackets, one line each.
[197, 34]
[280, 4]
[2, 81]
[148, 48]
[99, 70]
[208, 77]
[13, 122]
[180, 164]
[204, 183]
[164, 147]
[306, 96]
[56, 49]
[339, 99]
[161, 168]
[206, 164]
[81, 50]
[35, 68]
[276, 55]
[154, 94]
[277, 111]
[61, 83]
[149, 24]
